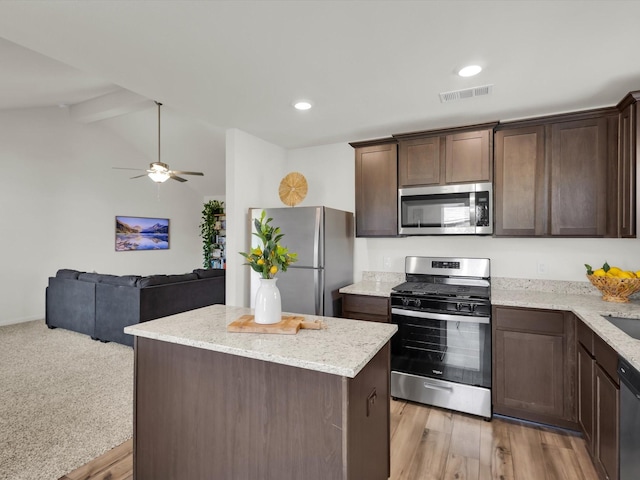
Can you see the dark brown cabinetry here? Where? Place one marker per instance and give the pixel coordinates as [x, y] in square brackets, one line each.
[578, 184]
[553, 175]
[204, 414]
[520, 187]
[439, 157]
[376, 188]
[366, 307]
[534, 365]
[628, 145]
[598, 400]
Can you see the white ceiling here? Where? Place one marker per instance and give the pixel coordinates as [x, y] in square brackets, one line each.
[371, 68]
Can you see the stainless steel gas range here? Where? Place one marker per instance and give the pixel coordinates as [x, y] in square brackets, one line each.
[441, 354]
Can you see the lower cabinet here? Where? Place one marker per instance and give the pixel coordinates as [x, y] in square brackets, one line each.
[534, 365]
[598, 406]
[366, 307]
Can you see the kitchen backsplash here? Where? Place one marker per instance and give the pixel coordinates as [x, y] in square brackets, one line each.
[386, 277]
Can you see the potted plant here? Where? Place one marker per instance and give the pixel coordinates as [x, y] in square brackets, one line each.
[268, 259]
[208, 230]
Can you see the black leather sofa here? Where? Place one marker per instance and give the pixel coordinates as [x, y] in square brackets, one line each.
[101, 305]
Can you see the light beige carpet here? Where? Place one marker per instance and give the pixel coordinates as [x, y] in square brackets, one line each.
[64, 400]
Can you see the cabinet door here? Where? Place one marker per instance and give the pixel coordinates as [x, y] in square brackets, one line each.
[626, 182]
[520, 188]
[366, 307]
[377, 191]
[419, 161]
[579, 178]
[468, 157]
[529, 374]
[586, 374]
[607, 396]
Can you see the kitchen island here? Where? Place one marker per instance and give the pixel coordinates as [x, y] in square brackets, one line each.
[213, 404]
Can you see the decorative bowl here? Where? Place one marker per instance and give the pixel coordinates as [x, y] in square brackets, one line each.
[615, 289]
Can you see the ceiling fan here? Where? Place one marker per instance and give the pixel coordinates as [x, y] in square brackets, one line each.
[159, 172]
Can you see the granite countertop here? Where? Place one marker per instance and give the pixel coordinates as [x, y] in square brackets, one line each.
[342, 348]
[580, 298]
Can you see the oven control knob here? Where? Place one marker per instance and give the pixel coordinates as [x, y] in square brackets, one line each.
[417, 302]
[405, 302]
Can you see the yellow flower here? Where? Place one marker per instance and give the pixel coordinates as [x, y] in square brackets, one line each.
[257, 251]
[260, 261]
[273, 270]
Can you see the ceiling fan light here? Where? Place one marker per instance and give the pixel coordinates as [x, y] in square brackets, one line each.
[159, 176]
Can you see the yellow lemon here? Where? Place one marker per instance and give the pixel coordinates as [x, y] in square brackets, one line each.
[260, 261]
[615, 271]
[273, 270]
[638, 274]
[610, 275]
[599, 273]
[626, 275]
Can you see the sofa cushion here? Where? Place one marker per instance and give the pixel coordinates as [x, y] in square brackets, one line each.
[68, 273]
[90, 277]
[122, 280]
[164, 279]
[209, 272]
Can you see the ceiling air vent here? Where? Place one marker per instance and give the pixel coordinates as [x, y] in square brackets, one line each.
[466, 93]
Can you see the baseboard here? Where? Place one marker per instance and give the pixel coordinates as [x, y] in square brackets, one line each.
[12, 321]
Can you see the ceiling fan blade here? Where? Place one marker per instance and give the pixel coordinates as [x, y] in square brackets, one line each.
[180, 179]
[126, 168]
[138, 176]
[188, 173]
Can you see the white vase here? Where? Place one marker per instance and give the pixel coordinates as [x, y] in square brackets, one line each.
[268, 304]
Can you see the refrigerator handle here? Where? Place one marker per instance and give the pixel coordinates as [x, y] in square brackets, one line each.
[318, 287]
[317, 261]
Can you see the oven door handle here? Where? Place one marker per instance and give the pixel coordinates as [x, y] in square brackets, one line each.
[433, 386]
[440, 316]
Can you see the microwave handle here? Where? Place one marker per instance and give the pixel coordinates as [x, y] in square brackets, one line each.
[472, 209]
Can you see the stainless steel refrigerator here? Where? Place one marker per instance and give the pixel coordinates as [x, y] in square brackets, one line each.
[323, 238]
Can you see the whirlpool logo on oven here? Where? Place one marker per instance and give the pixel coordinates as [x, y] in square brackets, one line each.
[437, 372]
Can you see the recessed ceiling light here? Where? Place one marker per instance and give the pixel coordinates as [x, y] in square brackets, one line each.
[470, 70]
[302, 105]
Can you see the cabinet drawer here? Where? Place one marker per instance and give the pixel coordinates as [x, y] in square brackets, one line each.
[366, 304]
[606, 357]
[585, 337]
[527, 320]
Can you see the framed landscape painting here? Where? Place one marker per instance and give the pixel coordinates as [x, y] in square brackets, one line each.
[141, 233]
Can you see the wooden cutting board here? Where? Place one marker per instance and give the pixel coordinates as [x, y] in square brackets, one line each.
[289, 325]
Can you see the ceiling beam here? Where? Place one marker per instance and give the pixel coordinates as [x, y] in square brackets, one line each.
[110, 105]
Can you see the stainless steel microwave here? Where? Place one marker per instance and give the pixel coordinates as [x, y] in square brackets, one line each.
[465, 209]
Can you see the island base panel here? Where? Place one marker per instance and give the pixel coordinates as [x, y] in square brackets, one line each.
[201, 414]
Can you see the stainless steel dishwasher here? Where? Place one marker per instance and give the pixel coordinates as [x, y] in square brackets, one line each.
[629, 421]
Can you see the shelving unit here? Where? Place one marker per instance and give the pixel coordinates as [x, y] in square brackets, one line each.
[219, 247]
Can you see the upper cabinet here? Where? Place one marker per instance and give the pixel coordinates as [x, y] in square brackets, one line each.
[520, 188]
[553, 175]
[376, 188]
[440, 157]
[567, 175]
[629, 131]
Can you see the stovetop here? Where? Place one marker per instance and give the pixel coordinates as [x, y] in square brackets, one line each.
[442, 289]
[464, 278]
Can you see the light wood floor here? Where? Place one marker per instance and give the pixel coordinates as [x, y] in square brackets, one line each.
[434, 444]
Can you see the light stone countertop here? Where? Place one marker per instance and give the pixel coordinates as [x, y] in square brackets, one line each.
[370, 287]
[580, 298]
[342, 348]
